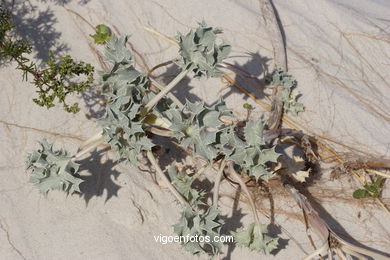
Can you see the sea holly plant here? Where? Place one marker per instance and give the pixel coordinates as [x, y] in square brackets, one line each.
[255, 237]
[194, 220]
[135, 113]
[53, 169]
[281, 78]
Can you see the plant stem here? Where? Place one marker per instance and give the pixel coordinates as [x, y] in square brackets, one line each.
[88, 149]
[169, 185]
[165, 91]
[91, 140]
[217, 182]
[245, 189]
[170, 95]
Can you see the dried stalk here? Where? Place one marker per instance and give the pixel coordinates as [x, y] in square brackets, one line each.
[280, 58]
[164, 178]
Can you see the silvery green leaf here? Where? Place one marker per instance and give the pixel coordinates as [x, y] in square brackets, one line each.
[268, 155]
[207, 137]
[199, 51]
[194, 223]
[259, 172]
[230, 139]
[194, 108]
[126, 90]
[253, 132]
[182, 183]
[239, 156]
[210, 220]
[291, 105]
[255, 237]
[53, 169]
[116, 51]
[280, 78]
[203, 150]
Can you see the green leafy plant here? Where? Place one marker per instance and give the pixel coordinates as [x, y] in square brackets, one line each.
[102, 35]
[55, 79]
[369, 191]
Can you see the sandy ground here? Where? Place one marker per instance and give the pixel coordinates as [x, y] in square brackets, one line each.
[338, 50]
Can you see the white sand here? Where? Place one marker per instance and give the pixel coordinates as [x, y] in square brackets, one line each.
[338, 50]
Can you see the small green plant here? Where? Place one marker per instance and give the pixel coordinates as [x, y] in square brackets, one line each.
[55, 79]
[212, 134]
[369, 191]
[102, 35]
[281, 78]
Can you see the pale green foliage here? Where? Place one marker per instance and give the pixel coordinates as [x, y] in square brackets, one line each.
[124, 87]
[53, 169]
[196, 126]
[255, 237]
[249, 154]
[127, 121]
[253, 132]
[199, 128]
[281, 78]
[116, 51]
[193, 220]
[200, 52]
[253, 159]
[182, 183]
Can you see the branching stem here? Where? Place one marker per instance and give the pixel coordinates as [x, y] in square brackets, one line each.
[88, 148]
[166, 90]
[170, 95]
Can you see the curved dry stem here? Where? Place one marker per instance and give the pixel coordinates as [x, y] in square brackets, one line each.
[164, 178]
[217, 182]
[280, 58]
[88, 149]
[158, 66]
[91, 140]
[243, 186]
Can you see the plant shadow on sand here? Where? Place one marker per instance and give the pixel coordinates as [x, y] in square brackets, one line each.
[101, 177]
[251, 74]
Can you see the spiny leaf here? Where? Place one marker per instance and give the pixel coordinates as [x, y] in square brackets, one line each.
[53, 169]
[116, 51]
[255, 238]
[195, 224]
[253, 132]
[182, 183]
[200, 52]
[281, 78]
[125, 89]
